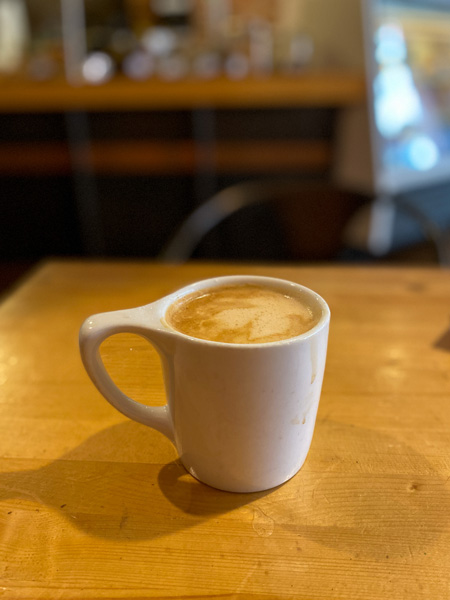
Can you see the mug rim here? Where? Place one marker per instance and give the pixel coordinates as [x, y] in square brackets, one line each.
[168, 300]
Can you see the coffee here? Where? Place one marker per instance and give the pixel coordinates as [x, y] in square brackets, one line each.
[241, 314]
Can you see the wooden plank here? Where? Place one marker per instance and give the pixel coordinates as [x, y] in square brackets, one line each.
[272, 156]
[37, 158]
[163, 157]
[311, 88]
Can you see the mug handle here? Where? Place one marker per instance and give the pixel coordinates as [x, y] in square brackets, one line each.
[95, 330]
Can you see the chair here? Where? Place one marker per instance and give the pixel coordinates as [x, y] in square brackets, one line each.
[389, 225]
[311, 216]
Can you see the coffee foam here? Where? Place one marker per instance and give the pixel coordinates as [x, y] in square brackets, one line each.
[241, 314]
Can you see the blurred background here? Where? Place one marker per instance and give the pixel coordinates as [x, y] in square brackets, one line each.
[286, 130]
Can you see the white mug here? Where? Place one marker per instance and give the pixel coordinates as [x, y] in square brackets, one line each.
[241, 416]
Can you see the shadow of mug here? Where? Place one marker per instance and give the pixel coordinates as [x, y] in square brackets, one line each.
[101, 489]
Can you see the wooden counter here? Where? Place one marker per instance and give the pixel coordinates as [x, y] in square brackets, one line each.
[93, 505]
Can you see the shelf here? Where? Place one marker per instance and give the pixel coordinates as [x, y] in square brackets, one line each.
[312, 88]
[166, 157]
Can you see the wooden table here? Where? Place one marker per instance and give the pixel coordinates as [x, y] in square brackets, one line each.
[93, 505]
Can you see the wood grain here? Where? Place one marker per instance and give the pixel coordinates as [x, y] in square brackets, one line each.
[93, 505]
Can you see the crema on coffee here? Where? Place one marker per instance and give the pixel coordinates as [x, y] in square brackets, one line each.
[241, 314]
